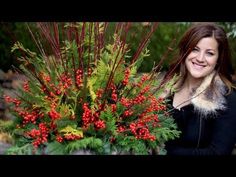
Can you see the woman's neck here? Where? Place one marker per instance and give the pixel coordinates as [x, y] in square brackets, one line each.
[183, 96]
[191, 83]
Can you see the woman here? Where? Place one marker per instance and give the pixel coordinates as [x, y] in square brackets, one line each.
[204, 100]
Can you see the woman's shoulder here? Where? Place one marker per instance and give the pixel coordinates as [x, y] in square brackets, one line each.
[232, 94]
[231, 99]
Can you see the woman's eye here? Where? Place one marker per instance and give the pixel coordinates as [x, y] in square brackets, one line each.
[210, 53]
[195, 49]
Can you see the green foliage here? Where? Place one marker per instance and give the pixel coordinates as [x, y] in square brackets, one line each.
[6, 126]
[158, 45]
[86, 143]
[130, 145]
[55, 148]
[167, 131]
[9, 33]
[230, 28]
[167, 35]
[86, 94]
[26, 149]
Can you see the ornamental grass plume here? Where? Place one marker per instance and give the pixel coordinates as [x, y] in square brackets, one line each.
[83, 92]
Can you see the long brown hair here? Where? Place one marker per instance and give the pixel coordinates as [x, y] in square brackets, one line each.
[190, 39]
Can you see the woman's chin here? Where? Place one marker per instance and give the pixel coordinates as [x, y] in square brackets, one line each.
[197, 75]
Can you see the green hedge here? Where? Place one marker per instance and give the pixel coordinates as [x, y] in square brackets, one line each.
[158, 45]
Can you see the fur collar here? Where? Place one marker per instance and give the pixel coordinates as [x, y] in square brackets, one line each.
[205, 100]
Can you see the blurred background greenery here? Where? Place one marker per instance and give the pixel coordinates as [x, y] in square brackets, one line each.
[166, 36]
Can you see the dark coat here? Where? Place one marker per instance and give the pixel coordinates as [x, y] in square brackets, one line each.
[206, 130]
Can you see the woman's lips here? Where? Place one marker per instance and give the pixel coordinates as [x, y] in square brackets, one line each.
[198, 66]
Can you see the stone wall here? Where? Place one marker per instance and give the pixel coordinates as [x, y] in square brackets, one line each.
[9, 82]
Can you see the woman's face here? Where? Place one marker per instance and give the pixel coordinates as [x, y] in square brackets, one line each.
[203, 58]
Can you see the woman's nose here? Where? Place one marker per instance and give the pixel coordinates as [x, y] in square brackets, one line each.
[201, 57]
